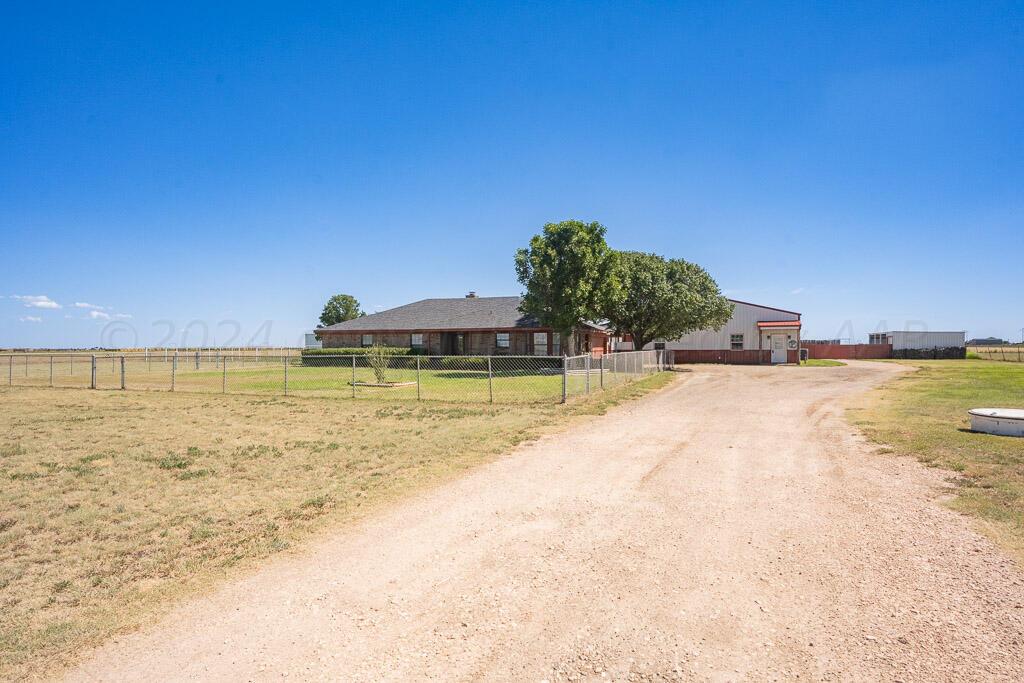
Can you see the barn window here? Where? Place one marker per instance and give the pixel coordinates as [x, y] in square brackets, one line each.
[367, 340]
[501, 340]
[416, 341]
[736, 342]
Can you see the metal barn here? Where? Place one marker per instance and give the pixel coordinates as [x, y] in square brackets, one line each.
[754, 335]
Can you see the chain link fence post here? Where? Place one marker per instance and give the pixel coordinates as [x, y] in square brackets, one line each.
[224, 375]
[122, 374]
[353, 376]
[418, 397]
[197, 359]
[92, 373]
[490, 382]
[285, 376]
[565, 369]
[174, 369]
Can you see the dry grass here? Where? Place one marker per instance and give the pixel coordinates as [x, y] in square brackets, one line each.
[115, 504]
[924, 414]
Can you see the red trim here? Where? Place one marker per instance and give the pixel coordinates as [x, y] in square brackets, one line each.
[770, 308]
[779, 323]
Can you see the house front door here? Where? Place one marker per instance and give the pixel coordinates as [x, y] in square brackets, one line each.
[452, 344]
[778, 348]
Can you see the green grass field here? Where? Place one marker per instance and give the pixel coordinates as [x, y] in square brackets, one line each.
[821, 363]
[511, 380]
[924, 414]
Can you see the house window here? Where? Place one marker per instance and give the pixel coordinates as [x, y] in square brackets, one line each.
[556, 344]
[367, 340]
[540, 343]
[416, 341]
[501, 340]
[736, 342]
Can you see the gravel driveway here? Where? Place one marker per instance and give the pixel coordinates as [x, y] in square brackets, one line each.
[730, 527]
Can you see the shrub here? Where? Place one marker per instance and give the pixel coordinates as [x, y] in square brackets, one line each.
[464, 363]
[323, 357]
[377, 357]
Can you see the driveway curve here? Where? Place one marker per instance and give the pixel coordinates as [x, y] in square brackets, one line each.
[729, 527]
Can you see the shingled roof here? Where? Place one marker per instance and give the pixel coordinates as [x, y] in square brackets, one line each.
[464, 313]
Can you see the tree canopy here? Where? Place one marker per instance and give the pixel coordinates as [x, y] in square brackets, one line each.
[662, 298]
[339, 308]
[569, 275]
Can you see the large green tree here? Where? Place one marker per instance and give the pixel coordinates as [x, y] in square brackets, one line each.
[339, 308]
[663, 298]
[568, 272]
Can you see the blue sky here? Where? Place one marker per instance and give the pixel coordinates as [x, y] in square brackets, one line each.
[229, 167]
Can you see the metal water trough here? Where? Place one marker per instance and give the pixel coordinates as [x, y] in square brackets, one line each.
[1002, 421]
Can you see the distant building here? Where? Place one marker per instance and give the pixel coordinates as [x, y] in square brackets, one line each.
[755, 334]
[919, 340]
[922, 343]
[987, 341]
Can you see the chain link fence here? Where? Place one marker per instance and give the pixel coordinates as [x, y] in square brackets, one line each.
[1011, 353]
[474, 379]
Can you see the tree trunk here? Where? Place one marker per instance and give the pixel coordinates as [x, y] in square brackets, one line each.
[639, 342]
[570, 343]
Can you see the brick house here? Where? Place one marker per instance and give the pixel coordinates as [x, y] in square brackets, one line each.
[471, 325]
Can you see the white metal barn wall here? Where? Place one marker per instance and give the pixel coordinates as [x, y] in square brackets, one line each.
[913, 339]
[744, 321]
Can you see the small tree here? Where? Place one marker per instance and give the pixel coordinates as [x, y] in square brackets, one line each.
[339, 308]
[378, 358]
[569, 275]
[664, 299]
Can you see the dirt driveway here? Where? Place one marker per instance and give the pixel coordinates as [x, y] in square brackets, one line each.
[731, 527]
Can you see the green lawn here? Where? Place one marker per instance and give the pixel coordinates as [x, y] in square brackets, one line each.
[924, 414]
[512, 380]
[821, 363]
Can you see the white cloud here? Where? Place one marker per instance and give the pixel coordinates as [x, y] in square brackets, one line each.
[81, 304]
[122, 316]
[798, 290]
[40, 301]
[99, 315]
[30, 319]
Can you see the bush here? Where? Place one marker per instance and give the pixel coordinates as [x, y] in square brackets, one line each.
[363, 350]
[465, 363]
[322, 357]
[937, 353]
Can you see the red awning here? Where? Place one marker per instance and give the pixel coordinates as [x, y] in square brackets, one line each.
[779, 323]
